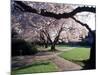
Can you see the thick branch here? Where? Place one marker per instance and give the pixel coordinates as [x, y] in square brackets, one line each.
[42, 36]
[47, 35]
[25, 7]
[57, 37]
[43, 12]
[87, 26]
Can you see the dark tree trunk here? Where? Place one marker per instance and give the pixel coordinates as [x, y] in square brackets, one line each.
[93, 55]
[93, 52]
[46, 45]
[91, 63]
[53, 47]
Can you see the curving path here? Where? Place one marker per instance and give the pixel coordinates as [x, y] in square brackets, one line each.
[62, 64]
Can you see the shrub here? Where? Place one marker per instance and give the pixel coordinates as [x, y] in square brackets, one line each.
[21, 47]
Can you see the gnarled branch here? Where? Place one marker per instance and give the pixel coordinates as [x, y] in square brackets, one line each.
[43, 12]
[83, 24]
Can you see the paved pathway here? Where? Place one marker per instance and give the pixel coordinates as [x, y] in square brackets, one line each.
[62, 64]
[65, 65]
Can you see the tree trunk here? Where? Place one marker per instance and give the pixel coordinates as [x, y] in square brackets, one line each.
[53, 47]
[91, 63]
[46, 45]
[93, 54]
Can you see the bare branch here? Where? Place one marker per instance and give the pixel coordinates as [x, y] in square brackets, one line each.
[47, 35]
[83, 24]
[43, 12]
[57, 37]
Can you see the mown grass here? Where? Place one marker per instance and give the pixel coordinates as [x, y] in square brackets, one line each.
[37, 67]
[58, 47]
[77, 55]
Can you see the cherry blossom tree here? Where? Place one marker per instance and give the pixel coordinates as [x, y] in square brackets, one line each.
[55, 14]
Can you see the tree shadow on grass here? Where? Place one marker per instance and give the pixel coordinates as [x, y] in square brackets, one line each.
[86, 64]
[34, 64]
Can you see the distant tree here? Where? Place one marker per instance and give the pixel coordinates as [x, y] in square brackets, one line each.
[52, 29]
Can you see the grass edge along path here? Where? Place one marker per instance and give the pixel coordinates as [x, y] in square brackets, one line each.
[37, 67]
[76, 55]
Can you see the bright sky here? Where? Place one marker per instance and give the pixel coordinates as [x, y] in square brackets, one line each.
[88, 18]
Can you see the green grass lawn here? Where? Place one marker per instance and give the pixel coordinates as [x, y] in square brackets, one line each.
[63, 47]
[58, 47]
[76, 55]
[37, 67]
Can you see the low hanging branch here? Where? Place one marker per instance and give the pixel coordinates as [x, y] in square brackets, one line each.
[25, 8]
